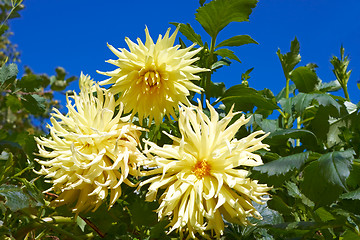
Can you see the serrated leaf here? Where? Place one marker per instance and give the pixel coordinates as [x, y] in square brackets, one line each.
[34, 103]
[217, 14]
[8, 73]
[284, 164]
[317, 187]
[246, 98]
[304, 100]
[335, 166]
[189, 33]
[227, 53]
[236, 41]
[332, 86]
[353, 195]
[291, 59]
[305, 79]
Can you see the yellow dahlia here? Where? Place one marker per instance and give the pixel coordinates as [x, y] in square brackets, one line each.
[204, 174]
[152, 79]
[92, 150]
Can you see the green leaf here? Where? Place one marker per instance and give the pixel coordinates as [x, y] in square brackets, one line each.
[304, 100]
[349, 235]
[246, 98]
[317, 187]
[335, 166]
[353, 180]
[13, 102]
[332, 86]
[189, 32]
[216, 90]
[282, 93]
[143, 213]
[291, 59]
[284, 134]
[8, 73]
[34, 103]
[220, 63]
[284, 164]
[353, 195]
[236, 41]
[30, 82]
[201, 2]
[16, 197]
[305, 79]
[227, 53]
[217, 14]
[324, 215]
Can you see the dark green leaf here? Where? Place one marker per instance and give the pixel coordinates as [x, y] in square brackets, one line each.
[335, 166]
[304, 100]
[30, 82]
[353, 180]
[246, 98]
[317, 187]
[143, 213]
[60, 73]
[305, 79]
[3, 28]
[8, 73]
[291, 59]
[35, 104]
[285, 134]
[349, 235]
[227, 53]
[279, 205]
[216, 90]
[237, 41]
[189, 33]
[220, 63]
[217, 14]
[284, 164]
[16, 197]
[13, 102]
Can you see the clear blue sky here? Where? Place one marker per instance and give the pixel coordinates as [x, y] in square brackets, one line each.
[73, 34]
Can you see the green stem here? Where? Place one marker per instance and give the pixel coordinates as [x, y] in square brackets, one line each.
[298, 121]
[287, 90]
[210, 62]
[11, 11]
[344, 87]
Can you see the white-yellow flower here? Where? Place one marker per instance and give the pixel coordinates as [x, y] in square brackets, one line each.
[152, 79]
[203, 174]
[92, 149]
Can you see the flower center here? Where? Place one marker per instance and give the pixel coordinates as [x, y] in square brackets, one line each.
[151, 79]
[201, 169]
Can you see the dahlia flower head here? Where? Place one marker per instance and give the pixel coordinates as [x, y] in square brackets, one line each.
[92, 149]
[153, 78]
[203, 174]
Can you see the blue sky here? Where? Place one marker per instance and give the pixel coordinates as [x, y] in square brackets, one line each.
[73, 34]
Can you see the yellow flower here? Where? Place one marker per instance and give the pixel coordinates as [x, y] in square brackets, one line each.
[153, 79]
[203, 174]
[92, 150]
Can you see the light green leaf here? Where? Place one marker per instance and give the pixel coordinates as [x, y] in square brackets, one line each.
[8, 73]
[304, 100]
[353, 195]
[220, 63]
[305, 79]
[217, 14]
[332, 86]
[189, 33]
[237, 41]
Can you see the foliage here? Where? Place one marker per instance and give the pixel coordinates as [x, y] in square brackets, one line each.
[313, 162]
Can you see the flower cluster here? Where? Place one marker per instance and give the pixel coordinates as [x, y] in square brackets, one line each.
[93, 149]
[202, 173]
[152, 79]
